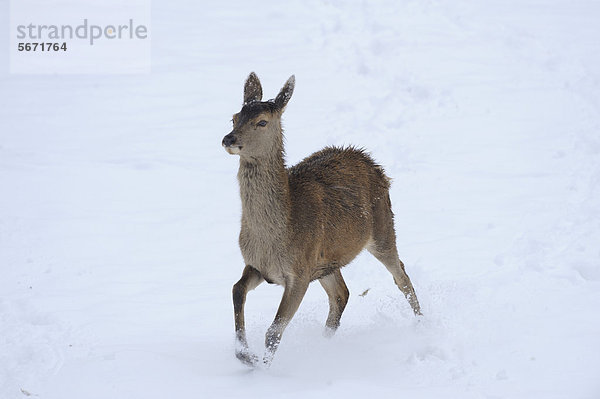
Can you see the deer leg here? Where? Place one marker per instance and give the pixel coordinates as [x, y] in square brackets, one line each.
[292, 296]
[251, 278]
[384, 249]
[396, 267]
[338, 294]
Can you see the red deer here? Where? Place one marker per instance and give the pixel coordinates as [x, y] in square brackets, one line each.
[305, 222]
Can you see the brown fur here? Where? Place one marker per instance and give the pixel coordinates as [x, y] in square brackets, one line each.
[304, 223]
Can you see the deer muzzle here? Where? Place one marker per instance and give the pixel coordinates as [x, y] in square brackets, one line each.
[230, 144]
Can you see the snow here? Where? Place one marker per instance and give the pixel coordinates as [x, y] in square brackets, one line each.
[120, 211]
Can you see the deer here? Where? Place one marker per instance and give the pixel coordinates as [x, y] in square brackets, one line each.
[305, 222]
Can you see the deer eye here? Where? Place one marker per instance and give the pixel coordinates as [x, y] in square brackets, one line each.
[262, 123]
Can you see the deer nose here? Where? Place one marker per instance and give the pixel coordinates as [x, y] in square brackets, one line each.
[228, 140]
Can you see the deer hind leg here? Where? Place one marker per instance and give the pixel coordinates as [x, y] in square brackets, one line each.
[293, 293]
[384, 249]
[251, 278]
[338, 294]
[396, 267]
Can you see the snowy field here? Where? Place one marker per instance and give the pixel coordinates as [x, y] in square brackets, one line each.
[119, 209]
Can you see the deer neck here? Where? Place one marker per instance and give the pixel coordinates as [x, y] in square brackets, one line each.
[265, 194]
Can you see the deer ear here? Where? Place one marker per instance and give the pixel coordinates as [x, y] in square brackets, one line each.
[252, 89]
[286, 93]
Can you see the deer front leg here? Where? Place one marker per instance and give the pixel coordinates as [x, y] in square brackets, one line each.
[292, 296]
[251, 278]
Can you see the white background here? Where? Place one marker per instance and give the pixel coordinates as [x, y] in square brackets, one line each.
[119, 210]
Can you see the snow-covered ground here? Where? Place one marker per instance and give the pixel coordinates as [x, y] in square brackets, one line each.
[119, 210]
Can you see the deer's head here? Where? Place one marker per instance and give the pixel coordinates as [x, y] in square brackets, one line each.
[257, 129]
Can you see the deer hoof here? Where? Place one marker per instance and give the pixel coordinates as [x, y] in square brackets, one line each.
[268, 358]
[249, 359]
